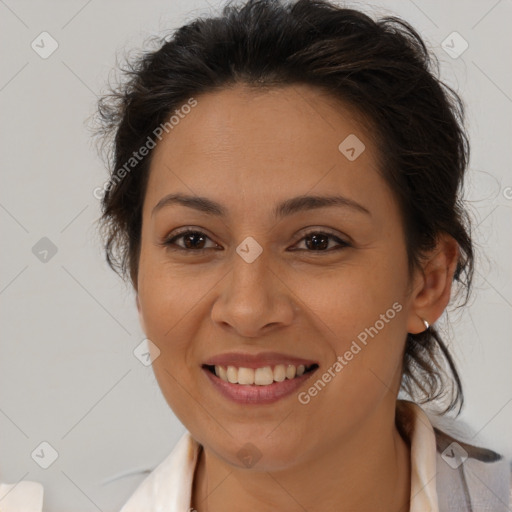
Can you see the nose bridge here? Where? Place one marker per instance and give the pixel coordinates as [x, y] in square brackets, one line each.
[252, 297]
[250, 268]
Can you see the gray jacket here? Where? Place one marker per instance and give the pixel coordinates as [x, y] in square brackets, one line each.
[469, 478]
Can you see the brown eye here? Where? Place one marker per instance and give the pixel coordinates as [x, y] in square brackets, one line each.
[192, 241]
[318, 241]
[195, 241]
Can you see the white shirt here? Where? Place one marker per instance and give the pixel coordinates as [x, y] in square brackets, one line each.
[25, 496]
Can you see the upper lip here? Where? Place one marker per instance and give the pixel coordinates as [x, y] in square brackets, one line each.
[244, 360]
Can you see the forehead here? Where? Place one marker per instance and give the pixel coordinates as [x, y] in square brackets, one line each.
[261, 144]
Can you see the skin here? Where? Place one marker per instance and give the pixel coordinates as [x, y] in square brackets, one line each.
[248, 151]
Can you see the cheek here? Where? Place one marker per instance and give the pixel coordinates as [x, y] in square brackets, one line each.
[164, 304]
[166, 291]
[166, 301]
[352, 297]
[359, 312]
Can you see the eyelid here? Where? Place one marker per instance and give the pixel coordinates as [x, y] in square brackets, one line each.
[342, 243]
[167, 240]
[326, 231]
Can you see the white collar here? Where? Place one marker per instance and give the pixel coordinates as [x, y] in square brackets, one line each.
[24, 496]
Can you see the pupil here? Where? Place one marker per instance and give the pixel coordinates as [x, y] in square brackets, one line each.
[189, 240]
[316, 242]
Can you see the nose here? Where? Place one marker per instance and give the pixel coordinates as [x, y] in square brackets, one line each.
[253, 298]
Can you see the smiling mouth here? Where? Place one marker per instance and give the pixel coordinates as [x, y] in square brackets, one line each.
[263, 376]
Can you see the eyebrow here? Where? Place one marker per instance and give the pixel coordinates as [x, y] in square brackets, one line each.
[284, 209]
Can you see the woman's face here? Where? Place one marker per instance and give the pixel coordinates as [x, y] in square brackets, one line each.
[324, 284]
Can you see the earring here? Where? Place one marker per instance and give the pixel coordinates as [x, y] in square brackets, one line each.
[427, 325]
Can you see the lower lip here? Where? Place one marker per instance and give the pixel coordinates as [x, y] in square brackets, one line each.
[253, 394]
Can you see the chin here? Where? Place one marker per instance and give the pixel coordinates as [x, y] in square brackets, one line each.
[257, 451]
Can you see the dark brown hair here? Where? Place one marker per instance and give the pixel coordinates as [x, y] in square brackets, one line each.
[381, 68]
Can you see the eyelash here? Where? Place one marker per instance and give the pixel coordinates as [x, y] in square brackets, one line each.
[169, 242]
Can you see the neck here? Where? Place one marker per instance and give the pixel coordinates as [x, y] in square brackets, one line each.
[368, 470]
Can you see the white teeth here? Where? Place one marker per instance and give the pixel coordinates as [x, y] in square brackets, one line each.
[290, 371]
[263, 376]
[223, 374]
[279, 373]
[245, 376]
[259, 376]
[232, 375]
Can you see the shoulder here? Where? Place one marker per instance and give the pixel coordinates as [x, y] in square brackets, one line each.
[169, 484]
[24, 496]
[470, 477]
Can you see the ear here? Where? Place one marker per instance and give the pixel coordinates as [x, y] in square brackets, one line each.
[433, 284]
[141, 318]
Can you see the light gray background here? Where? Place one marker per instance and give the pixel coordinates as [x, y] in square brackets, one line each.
[68, 374]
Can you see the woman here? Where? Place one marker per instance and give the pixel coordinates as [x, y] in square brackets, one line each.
[285, 199]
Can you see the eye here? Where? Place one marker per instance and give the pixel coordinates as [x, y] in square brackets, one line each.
[318, 241]
[193, 241]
